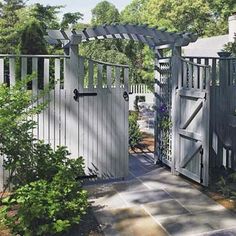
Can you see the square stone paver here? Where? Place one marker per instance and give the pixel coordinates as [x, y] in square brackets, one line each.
[130, 186]
[103, 197]
[193, 200]
[129, 222]
[142, 197]
[199, 223]
[165, 209]
[224, 232]
[185, 225]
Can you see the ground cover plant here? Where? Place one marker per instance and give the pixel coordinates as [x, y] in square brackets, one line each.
[46, 198]
[134, 131]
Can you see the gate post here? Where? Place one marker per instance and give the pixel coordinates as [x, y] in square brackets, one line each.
[71, 74]
[157, 90]
[176, 51]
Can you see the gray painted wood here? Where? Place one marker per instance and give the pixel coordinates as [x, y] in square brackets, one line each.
[1, 70]
[190, 119]
[12, 69]
[103, 123]
[35, 93]
[46, 99]
[57, 104]
[23, 67]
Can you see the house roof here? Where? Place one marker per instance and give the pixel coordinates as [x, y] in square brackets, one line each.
[206, 46]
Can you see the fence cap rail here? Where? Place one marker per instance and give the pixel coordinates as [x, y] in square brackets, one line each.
[105, 63]
[32, 56]
[220, 58]
[194, 64]
[59, 56]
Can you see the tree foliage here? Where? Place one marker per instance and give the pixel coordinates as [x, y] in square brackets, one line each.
[8, 20]
[205, 17]
[105, 12]
[70, 19]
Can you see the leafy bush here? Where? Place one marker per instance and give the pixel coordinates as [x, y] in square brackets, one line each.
[16, 138]
[47, 207]
[134, 131]
[47, 198]
[226, 184]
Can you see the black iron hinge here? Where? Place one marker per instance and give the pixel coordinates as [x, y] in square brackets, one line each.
[201, 151]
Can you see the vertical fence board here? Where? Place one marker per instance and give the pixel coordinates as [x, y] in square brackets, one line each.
[1, 70]
[23, 67]
[12, 69]
[91, 77]
[100, 141]
[57, 104]
[35, 93]
[46, 113]
[111, 155]
[117, 118]
[126, 127]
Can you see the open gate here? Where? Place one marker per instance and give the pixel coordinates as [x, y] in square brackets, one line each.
[190, 117]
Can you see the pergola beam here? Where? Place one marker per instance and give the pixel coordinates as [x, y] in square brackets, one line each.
[150, 36]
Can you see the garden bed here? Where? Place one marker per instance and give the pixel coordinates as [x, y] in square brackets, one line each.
[87, 227]
[146, 144]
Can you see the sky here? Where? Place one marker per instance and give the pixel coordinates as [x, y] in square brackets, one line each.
[82, 6]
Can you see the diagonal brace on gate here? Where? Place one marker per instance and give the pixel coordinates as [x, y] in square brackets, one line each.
[189, 156]
[194, 110]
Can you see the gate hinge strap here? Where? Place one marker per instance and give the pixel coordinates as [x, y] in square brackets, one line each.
[201, 152]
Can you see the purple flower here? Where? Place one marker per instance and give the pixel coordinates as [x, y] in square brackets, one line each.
[163, 108]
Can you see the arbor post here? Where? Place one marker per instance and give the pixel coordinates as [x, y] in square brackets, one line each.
[176, 52]
[71, 76]
[157, 102]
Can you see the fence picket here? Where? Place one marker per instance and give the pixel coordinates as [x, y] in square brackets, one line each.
[57, 104]
[46, 98]
[1, 70]
[35, 93]
[12, 68]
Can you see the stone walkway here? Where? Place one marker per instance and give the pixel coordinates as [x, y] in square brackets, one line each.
[154, 202]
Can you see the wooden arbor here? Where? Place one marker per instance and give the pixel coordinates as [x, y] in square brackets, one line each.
[156, 39]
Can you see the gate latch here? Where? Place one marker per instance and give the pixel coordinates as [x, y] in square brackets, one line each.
[77, 94]
[126, 96]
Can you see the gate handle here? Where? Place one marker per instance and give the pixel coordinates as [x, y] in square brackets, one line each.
[77, 94]
[126, 96]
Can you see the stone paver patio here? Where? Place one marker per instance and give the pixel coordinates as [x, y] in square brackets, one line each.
[153, 202]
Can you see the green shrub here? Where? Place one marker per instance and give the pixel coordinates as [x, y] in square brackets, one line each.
[16, 138]
[47, 199]
[47, 207]
[134, 131]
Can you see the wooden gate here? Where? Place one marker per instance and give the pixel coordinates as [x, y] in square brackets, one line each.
[87, 109]
[190, 116]
[103, 101]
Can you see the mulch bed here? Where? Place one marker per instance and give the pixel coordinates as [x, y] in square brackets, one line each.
[87, 227]
[146, 144]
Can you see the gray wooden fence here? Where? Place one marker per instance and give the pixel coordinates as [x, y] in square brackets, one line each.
[191, 119]
[93, 125]
[96, 126]
[222, 111]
